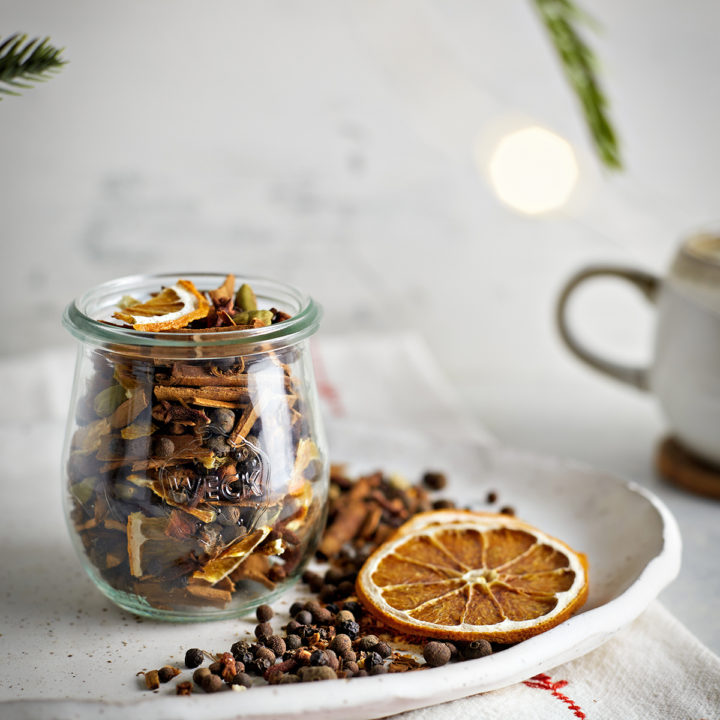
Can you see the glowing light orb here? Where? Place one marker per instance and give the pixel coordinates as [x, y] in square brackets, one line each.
[533, 170]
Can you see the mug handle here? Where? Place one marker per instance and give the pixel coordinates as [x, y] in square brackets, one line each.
[648, 285]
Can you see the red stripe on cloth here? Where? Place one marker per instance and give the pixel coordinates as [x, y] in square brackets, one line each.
[544, 682]
[327, 391]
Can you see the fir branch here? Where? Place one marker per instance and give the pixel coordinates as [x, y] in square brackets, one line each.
[23, 62]
[578, 61]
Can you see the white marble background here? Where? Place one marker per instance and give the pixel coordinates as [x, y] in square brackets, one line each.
[342, 145]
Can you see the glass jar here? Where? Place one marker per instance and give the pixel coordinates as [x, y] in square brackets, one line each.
[195, 462]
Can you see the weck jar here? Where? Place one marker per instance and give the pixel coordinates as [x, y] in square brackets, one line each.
[195, 464]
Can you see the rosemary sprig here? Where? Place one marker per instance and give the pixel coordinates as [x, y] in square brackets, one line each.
[578, 61]
[24, 61]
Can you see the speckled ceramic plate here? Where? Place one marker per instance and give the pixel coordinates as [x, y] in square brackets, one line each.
[631, 539]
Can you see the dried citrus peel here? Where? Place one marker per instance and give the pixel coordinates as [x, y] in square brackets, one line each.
[467, 576]
[173, 308]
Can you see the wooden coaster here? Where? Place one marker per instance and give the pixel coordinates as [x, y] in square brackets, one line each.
[686, 470]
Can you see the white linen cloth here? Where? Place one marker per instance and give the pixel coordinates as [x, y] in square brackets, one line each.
[653, 669]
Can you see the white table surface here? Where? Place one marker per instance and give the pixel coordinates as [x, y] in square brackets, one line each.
[343, 147]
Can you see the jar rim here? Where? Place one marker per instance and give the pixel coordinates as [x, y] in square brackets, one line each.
[81, 315]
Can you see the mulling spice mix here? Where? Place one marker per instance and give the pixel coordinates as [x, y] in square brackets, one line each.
[196, 478]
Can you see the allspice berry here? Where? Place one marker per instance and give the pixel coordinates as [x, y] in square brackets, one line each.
[313, 673]
[200, 674]
[341, 644]
[212, 683]
[264, 613]
[476, 649]
[436, 654]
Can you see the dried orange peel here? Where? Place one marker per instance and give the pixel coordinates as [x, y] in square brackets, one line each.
[467, 576]
[173, 308]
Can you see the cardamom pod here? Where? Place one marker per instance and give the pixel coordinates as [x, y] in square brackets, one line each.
[245, 298]
[83, 490]
[107, 401]
[137, 430]
[264, 316]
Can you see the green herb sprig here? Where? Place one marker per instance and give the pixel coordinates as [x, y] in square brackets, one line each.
[23, 62]
[561, 18]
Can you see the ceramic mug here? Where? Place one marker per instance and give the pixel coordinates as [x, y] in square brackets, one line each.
[684, 372]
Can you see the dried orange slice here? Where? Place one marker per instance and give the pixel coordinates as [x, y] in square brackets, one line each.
[173, 308]
[468, 576]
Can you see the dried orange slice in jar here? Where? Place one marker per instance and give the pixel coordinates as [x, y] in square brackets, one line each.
[173, 308]
[467, 576]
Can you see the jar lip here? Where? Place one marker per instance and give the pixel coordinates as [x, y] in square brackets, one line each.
[84, 324]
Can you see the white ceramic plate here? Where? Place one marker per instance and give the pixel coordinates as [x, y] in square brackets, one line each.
[631, 539]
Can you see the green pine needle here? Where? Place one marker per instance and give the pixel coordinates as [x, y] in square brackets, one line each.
[23, 62]
[560, 18]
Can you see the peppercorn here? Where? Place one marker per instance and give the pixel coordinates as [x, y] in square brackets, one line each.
[378, 669]
[184, 688]
[276, 644]
[368, 642]
[263, 630]
[491, 497]
[345, 588]
[341, 643]
[333, 576]
[215, 668]
[264, 653]
[258, 666]
[434, 480]
[350, 667]
[292, 642]
[323, 616]
[443, 505]
[304, 617]
[194, 657]
[353, 607]
[328, 592]
[309, 635]
[315, 673]
[371, 659]
[507, 510]
[200, 674]
[293, 627]
[436, 654]
[361, 673]
[349, 628]
[476, 649]
[382, 649]
[454, 652]
[264, 613]
[288, 678]
[167, 673]
[312, 580]
[241, 652]
[242, 678]
[344, 614]
[318, 657]
[212, 683]
[295, 608]
[332, 607]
